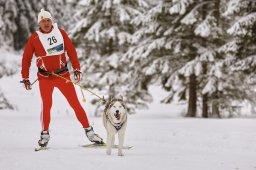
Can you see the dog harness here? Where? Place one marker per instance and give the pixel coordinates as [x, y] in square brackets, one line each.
[117, 126]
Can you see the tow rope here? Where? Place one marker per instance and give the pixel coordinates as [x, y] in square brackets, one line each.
[75, 83]
[82, 87]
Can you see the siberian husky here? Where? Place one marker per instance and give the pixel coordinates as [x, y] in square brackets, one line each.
[115, 122]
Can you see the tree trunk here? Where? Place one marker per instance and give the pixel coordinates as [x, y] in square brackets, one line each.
[215, 105]
[205, 96]
[215, 96]
[192, 101]
[205, 106]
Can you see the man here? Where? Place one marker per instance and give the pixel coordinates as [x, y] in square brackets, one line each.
[49, 45]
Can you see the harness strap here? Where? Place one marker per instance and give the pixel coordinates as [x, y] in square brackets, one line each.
[117, 126]
[54, 72]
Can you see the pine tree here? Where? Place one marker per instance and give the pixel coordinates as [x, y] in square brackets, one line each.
[2, 27]
[104, 34]
[6, 69]
[240, 54]
[212, 68]
[155, 56]
[178, 46]
[203, 19]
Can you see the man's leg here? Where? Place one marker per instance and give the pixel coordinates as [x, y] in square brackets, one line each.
[46, 89]
[68, 90]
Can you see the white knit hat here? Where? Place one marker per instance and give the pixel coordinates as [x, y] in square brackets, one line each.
[44, 14]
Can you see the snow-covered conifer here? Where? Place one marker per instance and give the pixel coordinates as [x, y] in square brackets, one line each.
[239, 51]
[103, 33]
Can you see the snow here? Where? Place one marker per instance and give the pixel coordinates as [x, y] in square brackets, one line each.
[229, 47]
[124, 16]
[188, 69]
[189, 19]
[167, 142]
[241, 26]
[203, 29]
[180, 6]
[232, 7]
[161, 138]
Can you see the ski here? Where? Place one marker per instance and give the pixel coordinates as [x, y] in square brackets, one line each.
[94, 145]
[41, 148]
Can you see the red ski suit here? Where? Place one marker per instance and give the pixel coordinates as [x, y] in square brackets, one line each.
[48, 82]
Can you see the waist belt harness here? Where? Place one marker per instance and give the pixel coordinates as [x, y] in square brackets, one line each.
[53, 72]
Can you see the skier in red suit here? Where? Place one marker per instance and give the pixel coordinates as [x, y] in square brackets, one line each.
[49, 45]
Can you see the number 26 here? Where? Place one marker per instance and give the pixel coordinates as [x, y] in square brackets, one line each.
[52, 40]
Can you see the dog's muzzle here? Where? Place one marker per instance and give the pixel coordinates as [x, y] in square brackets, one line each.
[117, 115]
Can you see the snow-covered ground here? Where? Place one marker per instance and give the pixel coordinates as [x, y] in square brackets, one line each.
[160, 142]
[162, 139]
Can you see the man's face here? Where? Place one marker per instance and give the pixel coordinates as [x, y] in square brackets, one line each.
[46, 24]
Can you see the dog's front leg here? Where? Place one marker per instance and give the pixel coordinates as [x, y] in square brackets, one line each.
[121, 143]
[110, 138]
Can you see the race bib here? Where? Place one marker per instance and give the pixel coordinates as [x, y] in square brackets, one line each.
[52, 42]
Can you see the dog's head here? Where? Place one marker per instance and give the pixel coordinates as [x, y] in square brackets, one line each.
[116, 111]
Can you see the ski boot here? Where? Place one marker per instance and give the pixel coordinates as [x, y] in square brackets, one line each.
[44, 139]
[95, 138]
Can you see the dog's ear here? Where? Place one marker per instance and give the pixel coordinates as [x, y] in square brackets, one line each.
[103, 100]
[111, 98]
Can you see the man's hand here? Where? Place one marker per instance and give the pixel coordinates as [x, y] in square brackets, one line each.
[77, 75]
[26, 84]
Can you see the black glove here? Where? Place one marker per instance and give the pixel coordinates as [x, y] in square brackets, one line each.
[26, 84]
[77, 75]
